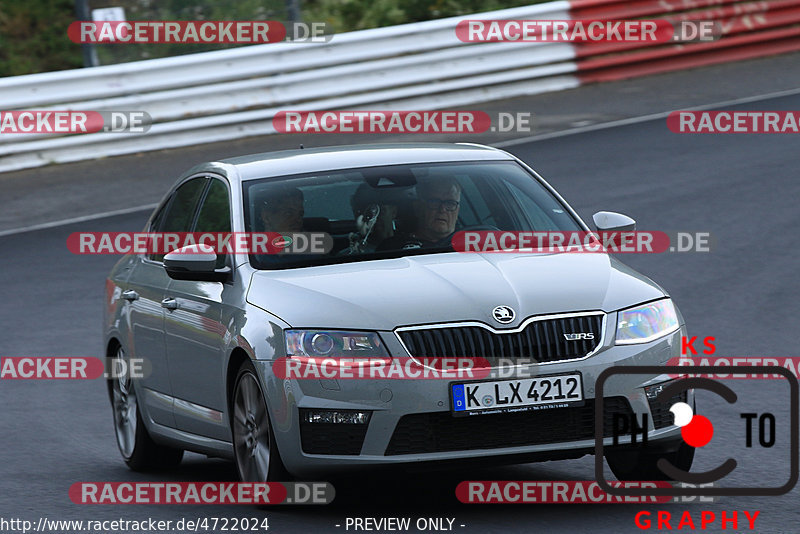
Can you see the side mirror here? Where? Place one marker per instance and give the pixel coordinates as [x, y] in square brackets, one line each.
[195, 262]
[606, 221]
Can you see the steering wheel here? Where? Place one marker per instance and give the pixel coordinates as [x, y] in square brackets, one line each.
[412, 243]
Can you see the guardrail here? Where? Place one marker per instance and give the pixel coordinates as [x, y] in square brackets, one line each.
[229, 94]
[749, 29]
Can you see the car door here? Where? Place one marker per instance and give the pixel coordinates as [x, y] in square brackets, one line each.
[146, 291]
[195, 334]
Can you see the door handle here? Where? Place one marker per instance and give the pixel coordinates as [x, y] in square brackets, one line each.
[169, 303]
[130, 295]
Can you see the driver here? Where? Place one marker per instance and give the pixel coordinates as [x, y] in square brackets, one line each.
[437, 206]
[280, 211]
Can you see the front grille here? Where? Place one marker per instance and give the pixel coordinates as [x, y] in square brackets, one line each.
[331, 438]
[662, 417]
[440, 431]
[540, 341]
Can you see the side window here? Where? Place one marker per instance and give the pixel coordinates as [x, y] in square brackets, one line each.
[153, 227]
[215, 213]
[179, 214]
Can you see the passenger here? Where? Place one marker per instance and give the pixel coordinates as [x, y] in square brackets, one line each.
[283, 211]
[375, 215]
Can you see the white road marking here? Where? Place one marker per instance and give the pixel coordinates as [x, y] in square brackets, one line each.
[501, 144]
[642, 118]
[73, 220]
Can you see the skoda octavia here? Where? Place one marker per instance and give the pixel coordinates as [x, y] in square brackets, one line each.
[388, 284]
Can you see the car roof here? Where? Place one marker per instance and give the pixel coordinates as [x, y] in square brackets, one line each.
[299, 161]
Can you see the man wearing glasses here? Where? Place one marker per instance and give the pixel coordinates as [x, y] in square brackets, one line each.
[436, 209]
[439, 202]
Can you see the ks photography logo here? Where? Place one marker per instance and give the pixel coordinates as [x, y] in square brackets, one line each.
[696, 430]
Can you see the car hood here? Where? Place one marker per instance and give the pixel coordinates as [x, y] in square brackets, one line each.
[434, 288]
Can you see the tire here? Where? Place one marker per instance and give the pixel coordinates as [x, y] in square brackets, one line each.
[255, 451]
[136, 446]
[630, 464]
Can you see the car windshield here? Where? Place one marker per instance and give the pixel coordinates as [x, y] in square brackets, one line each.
[398, 210]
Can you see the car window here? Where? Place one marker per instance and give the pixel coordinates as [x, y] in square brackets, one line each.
[397, 210]
[331, 201]
[156, 221]
[474, 209]
[215, 213]
[541, 213]
[179, 214]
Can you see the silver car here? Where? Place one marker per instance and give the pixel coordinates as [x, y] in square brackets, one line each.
[389, 285]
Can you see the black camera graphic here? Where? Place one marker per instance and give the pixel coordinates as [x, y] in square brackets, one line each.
[696, 429]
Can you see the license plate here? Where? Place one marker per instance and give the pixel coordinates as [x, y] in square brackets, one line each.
[556, 391]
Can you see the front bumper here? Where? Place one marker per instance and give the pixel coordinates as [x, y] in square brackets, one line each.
[410, 420]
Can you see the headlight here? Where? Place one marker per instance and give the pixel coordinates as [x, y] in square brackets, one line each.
[334, 344]
[646, 322]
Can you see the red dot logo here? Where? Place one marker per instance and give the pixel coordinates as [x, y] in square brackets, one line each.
[696, 430]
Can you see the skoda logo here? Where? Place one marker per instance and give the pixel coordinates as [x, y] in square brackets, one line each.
[503, 314]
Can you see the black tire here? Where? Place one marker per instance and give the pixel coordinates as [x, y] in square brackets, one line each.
[135, 445]
[254, 447]
[632, 464]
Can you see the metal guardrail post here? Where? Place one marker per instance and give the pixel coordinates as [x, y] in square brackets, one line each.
[293, 11]
[88, 49]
